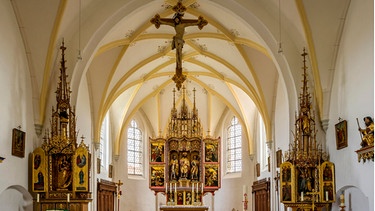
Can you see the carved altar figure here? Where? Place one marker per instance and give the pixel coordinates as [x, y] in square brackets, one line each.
[185, 166]
[64, 172]
[195, 168]
[174, 168]
[368, 133]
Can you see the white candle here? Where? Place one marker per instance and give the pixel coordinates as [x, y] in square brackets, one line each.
[175, 187]
[244, 189]
[197, 187]
[170, 187]
[342, 199]
[68, 197]
[192, 187]
[37, 197]
[301, 196]
[326, 195]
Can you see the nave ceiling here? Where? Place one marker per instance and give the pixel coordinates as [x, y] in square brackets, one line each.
[233, 62]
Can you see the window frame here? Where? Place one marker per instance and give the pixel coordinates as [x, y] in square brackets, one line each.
[234, 161]
[137, 133]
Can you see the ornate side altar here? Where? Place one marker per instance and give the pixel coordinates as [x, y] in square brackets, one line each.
[307, 178]
[184, 165]
[60, 167]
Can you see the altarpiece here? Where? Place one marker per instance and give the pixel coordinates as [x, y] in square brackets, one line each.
[60, 167]
[184, 165]
[307, 177]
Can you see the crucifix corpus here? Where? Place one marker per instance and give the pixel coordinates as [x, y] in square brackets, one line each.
[179, 25]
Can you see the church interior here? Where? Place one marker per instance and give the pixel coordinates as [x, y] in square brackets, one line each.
[187, 105]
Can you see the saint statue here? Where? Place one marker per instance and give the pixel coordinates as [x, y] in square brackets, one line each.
[185, 165]
[368, 132]
[173, 168]
[64, 172]
[194, 168]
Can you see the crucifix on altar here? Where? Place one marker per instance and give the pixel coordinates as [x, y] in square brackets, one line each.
[179, 24]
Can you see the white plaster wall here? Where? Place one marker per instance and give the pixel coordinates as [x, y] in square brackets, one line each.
[16, 104]
[353, 97]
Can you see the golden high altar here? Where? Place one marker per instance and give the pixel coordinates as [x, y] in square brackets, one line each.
[307, 178]
[184, 165]
[60, 167]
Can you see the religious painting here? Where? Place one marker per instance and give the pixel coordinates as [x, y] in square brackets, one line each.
[211, 175]
[211, 150]
[110, 171]
[327, 179]
[18, 143]
[188, 198]
[279, 155]
[39, 170]
[62, 170]
[80, 169]
[341, 135]
[98, 165]
[287, 186]
[157, 151]
[157, 176]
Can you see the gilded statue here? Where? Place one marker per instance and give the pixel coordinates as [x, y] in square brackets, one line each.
[368, 132]
[173, 168]
[64, 172]
[185, 165]
[195, 168]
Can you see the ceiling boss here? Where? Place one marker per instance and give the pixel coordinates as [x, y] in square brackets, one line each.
[179, 24]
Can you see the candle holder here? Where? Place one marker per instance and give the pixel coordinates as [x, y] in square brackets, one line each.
[342, 208]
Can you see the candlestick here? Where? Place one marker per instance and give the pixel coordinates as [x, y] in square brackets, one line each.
[202, 188]
[68, 199]
[37, 197]
[342, 200]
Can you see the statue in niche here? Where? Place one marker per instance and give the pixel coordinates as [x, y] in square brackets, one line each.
[195, 168]
[64, 172]
[185, 165]
[173, 167]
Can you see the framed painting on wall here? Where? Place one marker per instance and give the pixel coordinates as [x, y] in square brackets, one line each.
[341, 135]
[18, 143]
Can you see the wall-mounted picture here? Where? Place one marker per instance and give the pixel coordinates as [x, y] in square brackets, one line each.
[341, 135]
[110, 171]
[279, 155]
[18, 143]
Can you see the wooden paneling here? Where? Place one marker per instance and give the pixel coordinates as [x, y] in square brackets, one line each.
[106, 195]
[261, 195]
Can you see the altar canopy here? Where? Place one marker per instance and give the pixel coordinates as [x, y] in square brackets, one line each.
[184, 165]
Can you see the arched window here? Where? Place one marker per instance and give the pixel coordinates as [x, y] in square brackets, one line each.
[234, 146]
[135, 148]
[104, 142]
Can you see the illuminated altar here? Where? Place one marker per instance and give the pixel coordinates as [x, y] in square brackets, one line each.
[60, 167]
[307, 178]
[184, 165]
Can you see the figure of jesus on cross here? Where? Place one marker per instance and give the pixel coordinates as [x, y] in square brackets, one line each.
[179, 25]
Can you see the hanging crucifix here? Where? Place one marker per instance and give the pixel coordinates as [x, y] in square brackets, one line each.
[179, 25]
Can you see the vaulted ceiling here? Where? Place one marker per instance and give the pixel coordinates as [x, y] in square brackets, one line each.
[233, 63]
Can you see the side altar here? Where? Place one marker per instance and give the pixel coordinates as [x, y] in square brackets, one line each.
[60, 167]
[184, 165]
[307, 177]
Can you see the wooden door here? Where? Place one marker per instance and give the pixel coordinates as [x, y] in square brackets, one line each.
[261, 195]
[106, 195]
